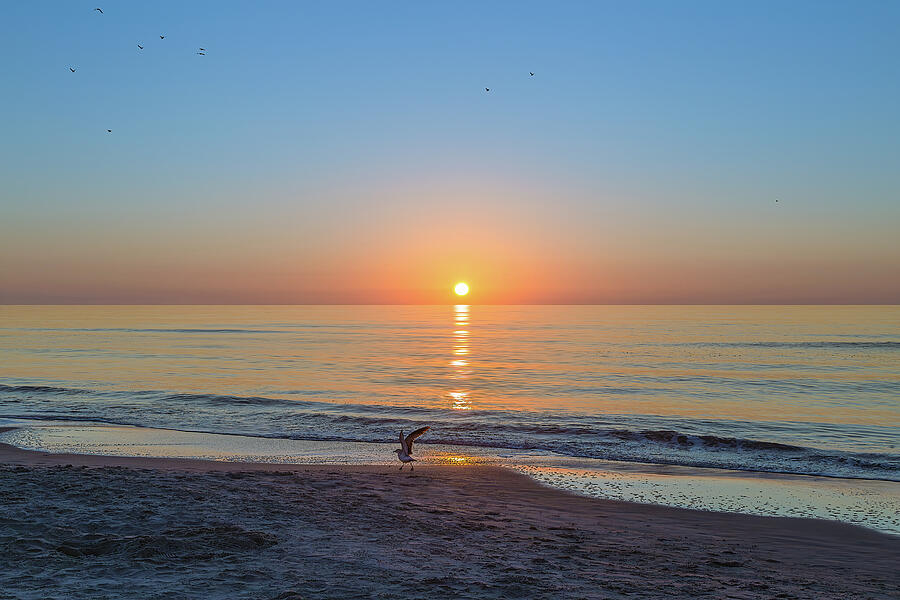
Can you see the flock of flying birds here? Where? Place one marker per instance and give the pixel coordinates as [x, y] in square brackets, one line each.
[530, 74]
[200, 51]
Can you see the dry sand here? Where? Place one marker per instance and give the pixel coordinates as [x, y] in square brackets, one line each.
[75, 526]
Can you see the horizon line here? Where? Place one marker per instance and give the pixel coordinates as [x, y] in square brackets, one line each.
[453, 304]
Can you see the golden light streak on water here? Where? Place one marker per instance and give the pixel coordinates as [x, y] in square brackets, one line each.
[460, 338]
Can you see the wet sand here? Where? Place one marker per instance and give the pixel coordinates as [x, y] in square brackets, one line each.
[75, 526]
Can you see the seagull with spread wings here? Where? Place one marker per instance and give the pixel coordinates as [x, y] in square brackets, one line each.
[404, 452]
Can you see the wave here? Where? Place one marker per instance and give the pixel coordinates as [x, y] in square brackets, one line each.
[45, 389]
[710, 441]
[692, 442]
[892, 345]
[156, 395]
[156, 330]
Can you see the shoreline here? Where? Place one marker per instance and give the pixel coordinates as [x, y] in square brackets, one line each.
[519, 482]
[468, 531]
[663, 468]
[870, 503]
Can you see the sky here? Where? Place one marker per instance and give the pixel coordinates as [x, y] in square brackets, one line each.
[347, 152]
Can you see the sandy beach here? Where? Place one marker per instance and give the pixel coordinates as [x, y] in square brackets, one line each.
[450, 300]
[77, 526]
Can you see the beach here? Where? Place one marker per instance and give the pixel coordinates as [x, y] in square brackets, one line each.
[469, 300]
[77, 526]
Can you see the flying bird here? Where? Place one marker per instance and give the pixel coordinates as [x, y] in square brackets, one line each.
[404, 452]
[109, 131]
[71, 69]
[487, 89]
[162, 37]
[202, 49]
[139, 46]
[99, 10]
[530, 73]
[202, 53]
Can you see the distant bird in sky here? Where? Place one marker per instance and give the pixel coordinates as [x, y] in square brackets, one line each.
[139, 46]
[162, 37]
[530, 73]
[99, 10]
[776, 200]
[404, 453]
[202, 49]
[109, 131]
[71, 69]
[202, 53]
[487, 89]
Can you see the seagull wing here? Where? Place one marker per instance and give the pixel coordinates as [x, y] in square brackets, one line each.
[408, 443]
[403, 444]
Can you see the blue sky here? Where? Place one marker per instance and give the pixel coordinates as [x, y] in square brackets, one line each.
[678, 122]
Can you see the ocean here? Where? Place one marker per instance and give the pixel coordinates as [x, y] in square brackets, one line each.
[771, 410]
[800, 390]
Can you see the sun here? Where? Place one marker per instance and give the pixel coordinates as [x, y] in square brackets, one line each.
[461, 289]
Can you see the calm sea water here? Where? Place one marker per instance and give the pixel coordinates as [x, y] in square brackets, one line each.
[809, 390]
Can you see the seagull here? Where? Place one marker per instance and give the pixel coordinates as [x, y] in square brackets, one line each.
[487, 89]
[139, 46]
[404, 452]
[162, 37]
[530, 73]
[99, 10]
[109, 131]
[71, 69]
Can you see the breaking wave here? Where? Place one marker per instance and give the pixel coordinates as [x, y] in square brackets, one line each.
[752, 446]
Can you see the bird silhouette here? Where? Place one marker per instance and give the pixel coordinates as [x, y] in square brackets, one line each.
[139, 46]
[202, 53]
[71, 69]
[99, 10]
[404, 452]
[487, 89]
[202, 49]
[530, 73]
[162, 37]
[109, 131]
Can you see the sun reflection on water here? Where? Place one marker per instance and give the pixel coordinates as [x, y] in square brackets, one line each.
[454, 458]
[460, 397]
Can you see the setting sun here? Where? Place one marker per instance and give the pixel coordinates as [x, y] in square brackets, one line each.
[633, 370]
